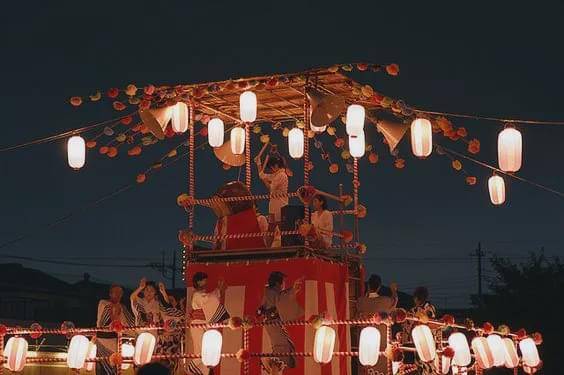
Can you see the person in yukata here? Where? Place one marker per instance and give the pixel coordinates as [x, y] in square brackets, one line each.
[322, 220]
[276, 181]
[279, 304]
[206, 307]
[109, 311]
[373, 302]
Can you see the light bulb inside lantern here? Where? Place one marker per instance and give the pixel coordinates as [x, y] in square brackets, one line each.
[216, 131]
[238, 140]
[296, 143]
[421, 137]
[357, 145]
[76, 152]
[496, 187]
[509, 150]
[179, 117]
[355, 119]
[248, 106]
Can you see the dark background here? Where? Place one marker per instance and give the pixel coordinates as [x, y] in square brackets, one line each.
[493, 58]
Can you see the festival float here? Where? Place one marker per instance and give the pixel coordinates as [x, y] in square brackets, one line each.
[311, 326]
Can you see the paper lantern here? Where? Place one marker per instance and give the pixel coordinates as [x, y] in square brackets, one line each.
[248, 106]
[498, 351]
[92, 350]
[357, 146]
[444, 365]
[396, 366]
[457, 341]
[496, 187]
[78, 351]
[323, 344]
[127, 350]
[355, 119]
[179, 117]
[482, 352]
[369, 346]
[424, 342]
[15, 354]
[216, 132]
[510, 353]
[76, 152]
[421, 137]
[144, 347]
[211, 347]
[509, 150]
[237, 140]
[529, 352]
[296, 143]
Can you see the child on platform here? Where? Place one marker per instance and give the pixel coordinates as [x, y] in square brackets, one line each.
[322, 220]
[276, 181]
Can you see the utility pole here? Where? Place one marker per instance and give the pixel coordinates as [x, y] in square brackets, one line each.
[479, 254]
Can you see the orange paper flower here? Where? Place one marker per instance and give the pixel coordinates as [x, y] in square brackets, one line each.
[91, 144]
[334, 168]
[474, 146]
[118, 106]
[373, 158]
[471, 180]
[112, 152]
[76, 101]
[457, 165]
[141, 178]
[399, 163]
[392, 69]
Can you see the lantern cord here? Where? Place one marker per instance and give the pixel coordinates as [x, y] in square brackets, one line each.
[63, 135]
[483, 164]
[486, 118]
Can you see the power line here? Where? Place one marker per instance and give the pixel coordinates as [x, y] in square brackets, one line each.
[68, 263]
[487, 118]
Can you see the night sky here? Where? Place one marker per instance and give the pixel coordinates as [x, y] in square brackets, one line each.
[423, 221]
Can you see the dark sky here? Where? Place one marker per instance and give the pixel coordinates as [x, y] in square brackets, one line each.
[491, 59]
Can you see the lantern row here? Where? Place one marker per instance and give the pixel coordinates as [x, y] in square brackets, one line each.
[490, 351]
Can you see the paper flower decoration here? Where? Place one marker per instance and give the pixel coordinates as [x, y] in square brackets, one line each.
[76, 101]
[474, 146]
[112, 93]
[471, 180]
[457, 165]
[97, 96]
[118, 106]
[131, 90]
[141, 178]
[392, 69]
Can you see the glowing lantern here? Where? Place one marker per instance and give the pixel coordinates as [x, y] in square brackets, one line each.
[248, 106]
[296, 143]
[482, 352]
[323, 344]
[15, 354]
[211, 347]
[357, 145]
[395, 367]
[237, 140]
[78, 351]
[496, 187]
[457, 341]
[144, 347]
[369, 346]
[510, 353]
[179, 117]
[444, 365]
[529, 352]
[424, 342]
[421, 138]
[127, 350]
[355, 119]
[215, 132]
[498, 352]
[92, 349]
[76, 152]
[509, 150]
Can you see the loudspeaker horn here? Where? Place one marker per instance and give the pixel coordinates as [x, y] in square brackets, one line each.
[156, 119]
[393, 132]
[324, 109]
[224, 154]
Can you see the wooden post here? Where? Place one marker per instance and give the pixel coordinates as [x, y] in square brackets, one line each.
[248, 155]
[356, 184]
[306, 153]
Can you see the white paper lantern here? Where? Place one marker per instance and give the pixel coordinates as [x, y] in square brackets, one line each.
[78, 351]
[92, 350]
[444, 364]
[509, 150]
[529, 352]
[216, 132]
[76, 152]
[144, 347]
[296, 143]
[457, 341]
[355, 119]
[496, 187]
[421, 137]
[369, 346]
[127, 350]
[482, 352]
[424, 342]
[15, 354]
[248, 106]
[510, 353]
[211, 347]
[357, 145]
[179, 117]
[498, 352]
[323, 344]
[396, 366]
[237, 140]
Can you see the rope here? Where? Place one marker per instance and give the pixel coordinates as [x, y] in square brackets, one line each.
[248, 156]
[486, 118]
[307, 120]
[209, 201]
[243, 235]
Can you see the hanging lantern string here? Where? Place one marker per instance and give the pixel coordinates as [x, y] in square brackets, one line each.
[483, 164]
[486, 118]
[64, 134]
